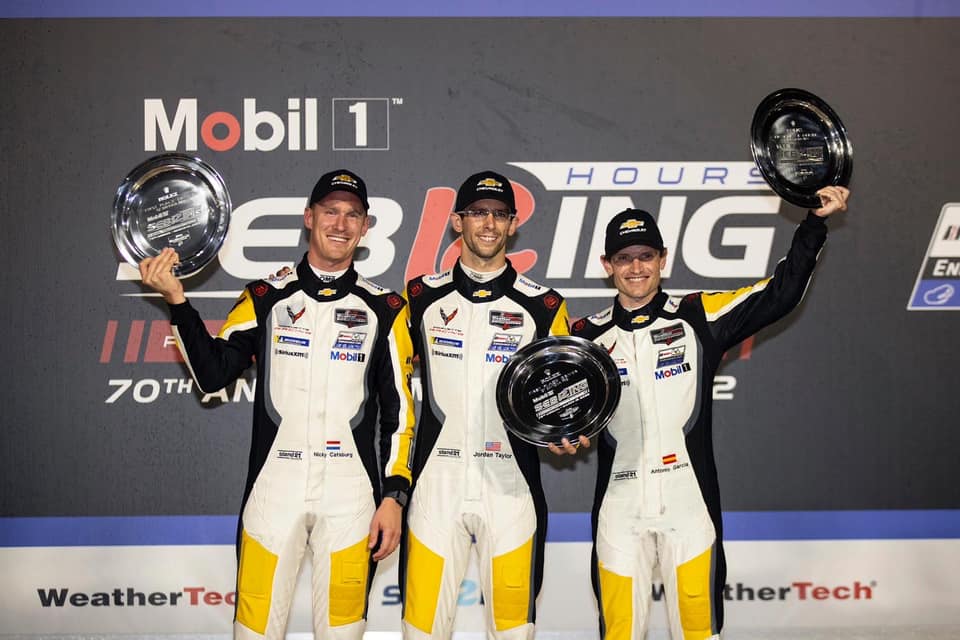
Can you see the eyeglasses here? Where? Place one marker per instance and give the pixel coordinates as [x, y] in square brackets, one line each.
[500, 215]
[626, 259]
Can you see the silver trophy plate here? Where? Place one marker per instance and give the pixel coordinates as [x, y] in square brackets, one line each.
[558, 387]
[171, 200]
[800, 146]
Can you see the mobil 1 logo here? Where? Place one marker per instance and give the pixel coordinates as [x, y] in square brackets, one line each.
[362, 123]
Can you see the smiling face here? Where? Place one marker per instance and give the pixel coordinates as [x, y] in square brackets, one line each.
[335, 225]
[484, 236]
[636, 273]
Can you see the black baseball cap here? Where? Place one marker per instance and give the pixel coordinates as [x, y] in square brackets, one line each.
[339, 180]
[483, 185]
[632, 227]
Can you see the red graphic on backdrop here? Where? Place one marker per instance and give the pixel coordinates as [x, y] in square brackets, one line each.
[434, 221]
[160, 345]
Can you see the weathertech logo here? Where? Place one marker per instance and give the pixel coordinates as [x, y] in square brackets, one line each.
[804, 590]
[130, 597]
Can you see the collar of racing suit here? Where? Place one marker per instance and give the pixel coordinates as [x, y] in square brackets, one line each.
[641, 317]
[483, 291]
[321, 290]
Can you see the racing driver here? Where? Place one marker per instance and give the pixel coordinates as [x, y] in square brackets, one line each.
[657, 499]
[475, 482]
[333, 355]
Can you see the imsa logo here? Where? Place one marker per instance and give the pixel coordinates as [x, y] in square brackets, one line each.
[938, 283]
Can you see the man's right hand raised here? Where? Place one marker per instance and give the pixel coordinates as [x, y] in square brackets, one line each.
[157, 273]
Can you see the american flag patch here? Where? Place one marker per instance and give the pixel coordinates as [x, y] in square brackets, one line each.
[333, 445]
[670, 458]
[492, 446]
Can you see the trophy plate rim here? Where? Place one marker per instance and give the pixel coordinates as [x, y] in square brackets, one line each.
[544, 352]
[839, 147]
[127, 216]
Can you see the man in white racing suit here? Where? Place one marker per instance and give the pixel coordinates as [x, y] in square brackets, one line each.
[474, 482]
[334, 359]
[657, 501]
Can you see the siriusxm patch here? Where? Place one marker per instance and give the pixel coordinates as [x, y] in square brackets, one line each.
[938, 283]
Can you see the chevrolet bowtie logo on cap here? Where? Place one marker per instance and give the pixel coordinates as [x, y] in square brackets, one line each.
[490, 182]
[344, 179]
[631, 224]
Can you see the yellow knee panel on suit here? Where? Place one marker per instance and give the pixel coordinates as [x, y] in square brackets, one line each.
[511, 587]
[348, 583]
[693, 595]
[616, 603]
[254, 583]
[422, 588]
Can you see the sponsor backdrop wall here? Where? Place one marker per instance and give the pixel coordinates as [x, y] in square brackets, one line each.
[836, 430]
